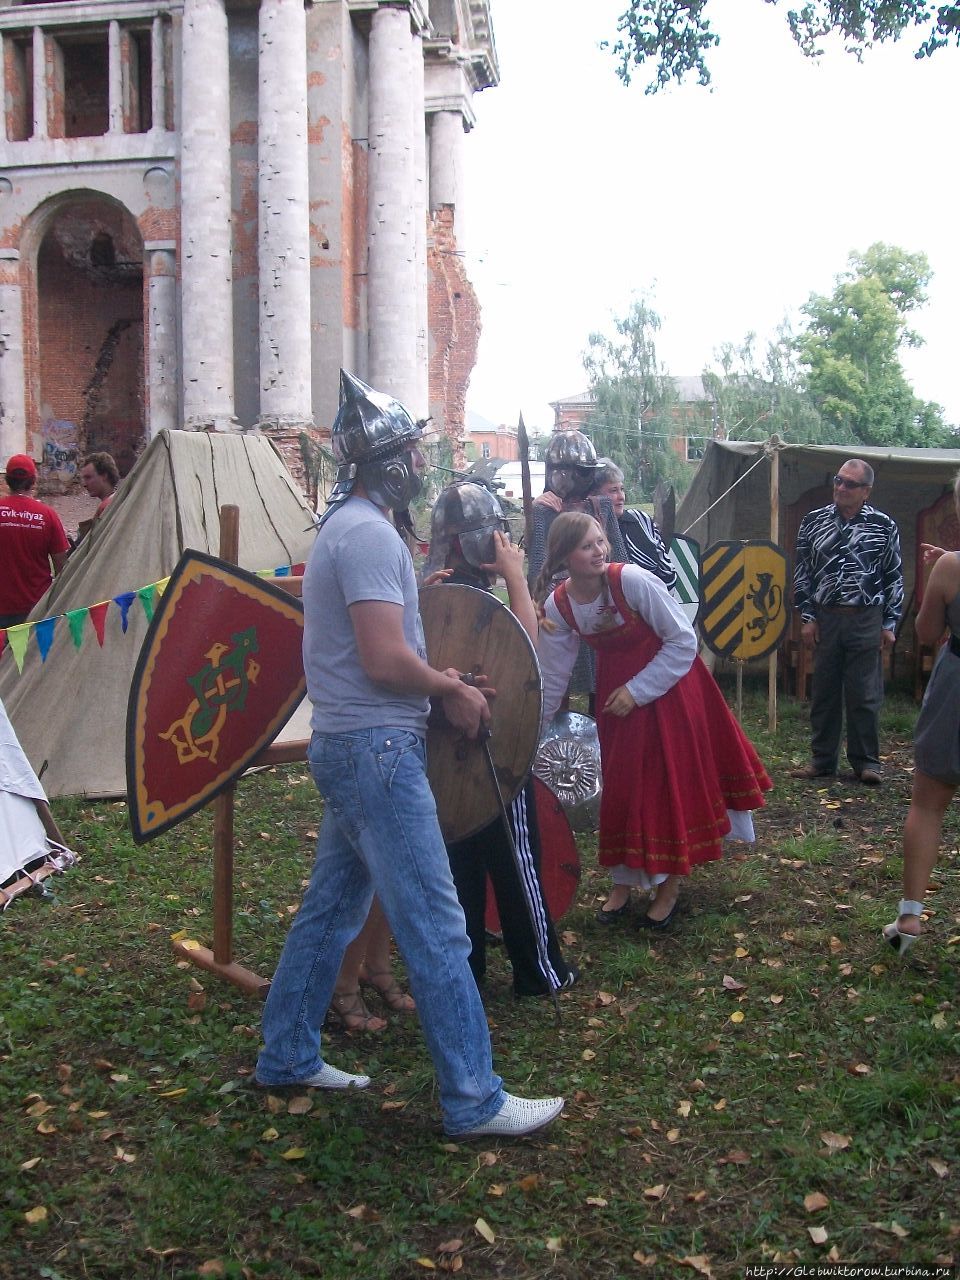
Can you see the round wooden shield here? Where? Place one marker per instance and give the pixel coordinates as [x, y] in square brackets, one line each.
[472, 631]
[559, 859]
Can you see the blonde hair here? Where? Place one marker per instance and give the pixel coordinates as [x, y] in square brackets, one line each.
[566, 533]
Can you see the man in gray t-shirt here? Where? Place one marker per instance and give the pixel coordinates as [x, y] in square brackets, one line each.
[370, 684]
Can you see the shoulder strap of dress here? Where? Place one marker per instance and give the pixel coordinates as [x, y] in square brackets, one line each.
[561, 600]
[614, 574]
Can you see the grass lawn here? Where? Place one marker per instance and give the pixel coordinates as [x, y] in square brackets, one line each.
[767, 1085]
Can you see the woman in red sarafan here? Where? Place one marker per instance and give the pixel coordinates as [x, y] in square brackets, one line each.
[679, 774]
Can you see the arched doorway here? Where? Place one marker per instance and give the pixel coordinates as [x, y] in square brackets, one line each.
[89, 372]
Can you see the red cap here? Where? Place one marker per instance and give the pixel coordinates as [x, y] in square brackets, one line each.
[22, 463]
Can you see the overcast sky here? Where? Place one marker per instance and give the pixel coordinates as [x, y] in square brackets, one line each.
[731, 206]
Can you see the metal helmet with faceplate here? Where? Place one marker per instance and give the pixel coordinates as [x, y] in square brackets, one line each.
[572, 454]
[373, 439]
[470, 513]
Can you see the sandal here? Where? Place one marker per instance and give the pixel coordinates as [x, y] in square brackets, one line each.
[389, 991]
[892, 933]
[347, 1010]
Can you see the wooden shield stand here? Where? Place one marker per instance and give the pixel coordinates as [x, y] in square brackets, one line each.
[220, 959]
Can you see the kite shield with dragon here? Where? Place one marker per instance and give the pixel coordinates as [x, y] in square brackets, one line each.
[219, 674]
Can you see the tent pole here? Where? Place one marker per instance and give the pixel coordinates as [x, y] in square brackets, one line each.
[775, 539]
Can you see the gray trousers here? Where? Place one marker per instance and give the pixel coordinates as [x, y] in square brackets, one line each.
[848, 676]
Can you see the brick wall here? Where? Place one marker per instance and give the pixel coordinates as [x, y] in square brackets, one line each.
[88, 342]
[454, 329]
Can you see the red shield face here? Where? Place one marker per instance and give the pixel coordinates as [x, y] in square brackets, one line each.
[219, 674]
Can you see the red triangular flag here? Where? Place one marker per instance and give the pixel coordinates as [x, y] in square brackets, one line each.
[98, 616]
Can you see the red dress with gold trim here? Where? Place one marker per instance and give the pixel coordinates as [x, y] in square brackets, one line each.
[672, 768]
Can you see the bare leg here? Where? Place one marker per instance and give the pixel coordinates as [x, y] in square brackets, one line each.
[376, 969]
[921, 840]
[347, 1005]
[619, 896]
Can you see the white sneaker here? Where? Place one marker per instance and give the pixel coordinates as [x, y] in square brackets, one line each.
[516, 1118]
[334, 1078]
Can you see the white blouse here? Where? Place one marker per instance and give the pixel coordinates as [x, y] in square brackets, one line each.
[647, 596]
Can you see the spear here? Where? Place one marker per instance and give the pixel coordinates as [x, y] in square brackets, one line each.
[523, 446]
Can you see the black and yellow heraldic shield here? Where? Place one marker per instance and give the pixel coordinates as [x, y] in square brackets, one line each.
[743, 584]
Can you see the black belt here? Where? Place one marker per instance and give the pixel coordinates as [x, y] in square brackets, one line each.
[955, 645]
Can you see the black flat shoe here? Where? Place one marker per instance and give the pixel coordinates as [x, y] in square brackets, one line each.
[646, 922]
[607, 917]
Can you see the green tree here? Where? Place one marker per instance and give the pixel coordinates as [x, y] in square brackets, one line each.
[638, 416]
[757, 396]
[851, 351]
[676, 38]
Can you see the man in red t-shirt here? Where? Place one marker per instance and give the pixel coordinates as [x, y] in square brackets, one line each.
[31, 537]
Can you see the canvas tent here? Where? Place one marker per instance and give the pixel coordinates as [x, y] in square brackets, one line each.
[69, 711]
[731, 493]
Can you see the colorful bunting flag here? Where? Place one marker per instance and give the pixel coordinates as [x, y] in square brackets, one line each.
[44, 634]
[75, 619]
[17, 638]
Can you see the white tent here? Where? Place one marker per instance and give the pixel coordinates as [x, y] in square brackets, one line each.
[69, 710]
[31, 847]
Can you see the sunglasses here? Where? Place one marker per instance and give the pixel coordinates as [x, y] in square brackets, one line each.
[841, 482]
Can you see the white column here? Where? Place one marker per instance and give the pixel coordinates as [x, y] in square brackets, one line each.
[13, 409]
[446, 138]
[158, 80]
[115, 79]
[39, 83]
[420, 407]
[161, 336]
[206, 268]
[391, 234]
[284, 221]
[3, 88]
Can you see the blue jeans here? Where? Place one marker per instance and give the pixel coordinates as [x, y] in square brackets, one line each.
[380, 833]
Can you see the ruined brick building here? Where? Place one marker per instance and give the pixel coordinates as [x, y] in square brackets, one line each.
[208, 206]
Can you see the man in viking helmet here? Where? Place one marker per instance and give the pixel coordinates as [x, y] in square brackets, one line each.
[370, 685]
[469, 547]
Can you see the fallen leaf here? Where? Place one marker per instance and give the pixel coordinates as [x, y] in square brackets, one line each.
[269, 1135]
[738, 1016]
[815, 1201]
[835, 1141]
[938, 1166]
[482, 1228]
[731, 984]
[737, 1157]
[817, 1234]
[300, 1106]
[655, 1193]
[939, 1021]
[645, 1259]
[673, 1135]
[497, 1189]
[776, 999]
[427, 1263]
[172, 1093]
[39, 1109]
[489, 1158]
[741, 953]
[275, 1105]
[721, 1105]
[899, 1231]
[39, 1214]
[836, 946]
[554, 1244]
[529, 1183]
[212, 1268]
[32, 1164]
[197, 1001]
[294, 1153]
[45, 1127]
[450, 1246]
[859, 1069]
[684, 1108]
[699, 1262]
[598, 1201]
[392, 1106]
[588, 1055]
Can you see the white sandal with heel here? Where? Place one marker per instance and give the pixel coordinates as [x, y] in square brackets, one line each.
[892, 933]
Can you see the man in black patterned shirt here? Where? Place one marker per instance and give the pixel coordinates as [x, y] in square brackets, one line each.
[848, 587]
